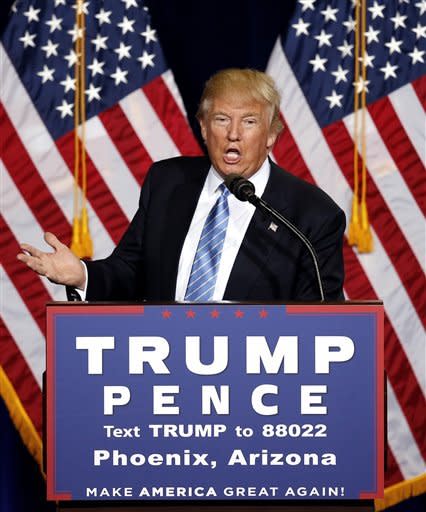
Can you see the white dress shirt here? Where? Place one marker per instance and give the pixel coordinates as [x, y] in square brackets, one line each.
[240, 215]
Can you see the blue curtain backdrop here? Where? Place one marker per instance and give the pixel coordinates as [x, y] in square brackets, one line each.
[198, 38]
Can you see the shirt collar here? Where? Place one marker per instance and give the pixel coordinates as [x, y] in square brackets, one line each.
[259, 179]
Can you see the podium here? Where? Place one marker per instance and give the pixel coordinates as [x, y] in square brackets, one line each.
[214, 406]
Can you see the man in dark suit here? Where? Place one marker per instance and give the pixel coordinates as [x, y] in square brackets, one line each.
[251, 256]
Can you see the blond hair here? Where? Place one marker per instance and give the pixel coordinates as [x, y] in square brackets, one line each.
[244, 82]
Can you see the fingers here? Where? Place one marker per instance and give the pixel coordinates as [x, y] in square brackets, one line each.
[53, 241]
[33, 262]
[30, 250]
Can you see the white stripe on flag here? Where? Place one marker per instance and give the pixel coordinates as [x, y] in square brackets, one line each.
[412, 116]
[169, 80]
[26, 333]
[148, 126]
[112, 167]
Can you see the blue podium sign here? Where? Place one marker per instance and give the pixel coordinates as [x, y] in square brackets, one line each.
[214, 402]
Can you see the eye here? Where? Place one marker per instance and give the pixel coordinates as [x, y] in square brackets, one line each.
[220, 119]
[250, 121]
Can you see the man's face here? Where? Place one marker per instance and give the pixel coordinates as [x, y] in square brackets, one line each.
[237, 134]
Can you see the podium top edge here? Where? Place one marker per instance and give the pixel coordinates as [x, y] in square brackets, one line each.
[219, 303]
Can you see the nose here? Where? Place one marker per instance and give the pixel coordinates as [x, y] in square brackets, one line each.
[234, 133]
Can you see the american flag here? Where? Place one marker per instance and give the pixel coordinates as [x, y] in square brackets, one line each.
[134, 116]
[313, 65]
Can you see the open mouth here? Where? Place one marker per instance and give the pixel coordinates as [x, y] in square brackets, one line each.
[232, 156]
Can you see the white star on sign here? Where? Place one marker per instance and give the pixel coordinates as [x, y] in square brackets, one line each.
[340, 74]
[394, 45]
[318, 63]
[54, 23]
[334, 99]
[377, 10]
[307, 4]
[68, 84]
[323, 38]
[416, 55]
[99, 42]
[28, 39]
[46, 74]
[329, 13]
[50, 49]
[420, 31]
[93, 93]
[103, 16]
[146, 59]
[72, 58]
[398, 21]
[32, 14]
[345, 49]
[149, 34]
[96, 67]
[126, 25]
[389, 70]
[371, 35]
[65, 109]
[123, 51]
[361, 85]
[119, 76]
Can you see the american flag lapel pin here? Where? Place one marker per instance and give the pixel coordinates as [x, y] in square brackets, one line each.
[273, 227]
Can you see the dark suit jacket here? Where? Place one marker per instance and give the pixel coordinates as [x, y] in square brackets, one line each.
[269, 265]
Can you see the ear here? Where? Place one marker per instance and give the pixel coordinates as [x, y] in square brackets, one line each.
[272, 137]
[203, 128]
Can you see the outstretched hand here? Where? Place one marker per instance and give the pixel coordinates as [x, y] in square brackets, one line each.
[61, 266]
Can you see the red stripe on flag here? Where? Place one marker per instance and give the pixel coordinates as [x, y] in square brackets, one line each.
[419, 86]
[400, 148]
[407, 389]
[393, 474]
[26, 282]
[99, 195]
[30, 184]
[126, 141]
[171, 116]
[288, 156]
[21, 377]
[381, 218]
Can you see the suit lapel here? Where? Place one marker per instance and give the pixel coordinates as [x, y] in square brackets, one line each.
[181, 207]
[260, 239]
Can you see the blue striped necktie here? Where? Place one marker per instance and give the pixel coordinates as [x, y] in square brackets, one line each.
[202, 280]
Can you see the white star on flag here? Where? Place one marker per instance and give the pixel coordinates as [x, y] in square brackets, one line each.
[420, 31]
[398, 21]
[28, 39]
[54, 23]
[50, 49]
[103, 16]
[367, 60]
[323, 38]
[350, 24]
[334, 99]
[93, 93]
[68, 83]
[149, 34]
[146, 59]
[123, 51]
[130, 3]
[71, 58]
[96, 67]
[46, 74]
[32, 14]
[307, 4]
[82, 7]
[421, 6]
[301, 27]
[389, 70]
[76, 33]
[65, 109]
[119, 76]
[318, 63]
[377, 10]
[100, 42]
[346, 49]
[416, 55]
[340, 74]
[330, 13]
[371, 35]
[361, 85]
[126, 25]
[394, 46]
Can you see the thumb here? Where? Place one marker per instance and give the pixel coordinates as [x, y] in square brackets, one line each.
[53, 241]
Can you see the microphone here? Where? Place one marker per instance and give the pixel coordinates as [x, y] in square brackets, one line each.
[244, 190]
